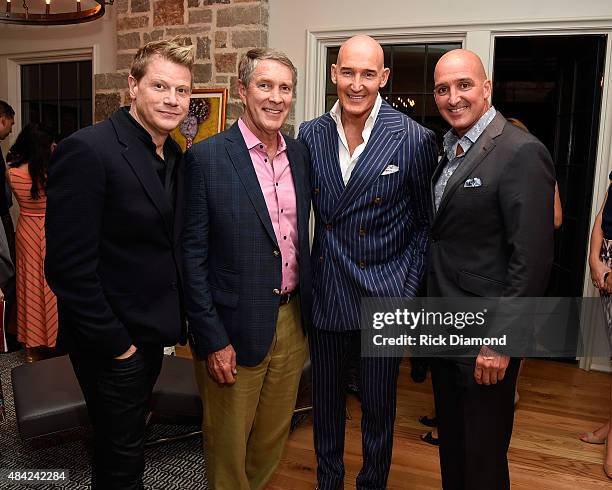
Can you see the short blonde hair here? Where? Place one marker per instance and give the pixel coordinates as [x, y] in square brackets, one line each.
[174, 50]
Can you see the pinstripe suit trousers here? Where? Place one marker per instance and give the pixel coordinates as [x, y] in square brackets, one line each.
[329, 354]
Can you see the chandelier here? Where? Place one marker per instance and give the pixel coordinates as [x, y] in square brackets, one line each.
[74, 15]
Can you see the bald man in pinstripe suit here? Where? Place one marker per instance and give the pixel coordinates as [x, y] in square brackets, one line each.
[371, 167]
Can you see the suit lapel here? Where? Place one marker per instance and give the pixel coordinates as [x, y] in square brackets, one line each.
[297, 173]
[146, 174]
[475, 156]
[387, 135]
[325, 150]
[239, 155]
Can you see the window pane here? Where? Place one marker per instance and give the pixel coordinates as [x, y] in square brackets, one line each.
[85, 79]
[29, 82]
[332, 56]
[49, 115]
[86, 113]
[434, 53]
[69, 117]
[49, 86]
[69, 80]
[408, 68]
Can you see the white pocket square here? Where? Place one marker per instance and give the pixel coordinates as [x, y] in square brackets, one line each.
[475, 182]
[391, 169]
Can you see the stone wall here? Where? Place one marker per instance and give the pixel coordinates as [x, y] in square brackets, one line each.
[220, 31]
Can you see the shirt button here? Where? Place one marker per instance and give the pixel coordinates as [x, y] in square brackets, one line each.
[266, 160]
[362, 232]
[328, 226]
[361, 264]
[277, 184]
[284, 237]
[261, 147]
[281, 210]
[276, 253]
[276, 291]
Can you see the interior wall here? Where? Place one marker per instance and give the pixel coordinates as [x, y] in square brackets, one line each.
[290, 19]
[36, 40]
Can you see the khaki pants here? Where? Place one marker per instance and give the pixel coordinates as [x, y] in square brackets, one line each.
[245, 425]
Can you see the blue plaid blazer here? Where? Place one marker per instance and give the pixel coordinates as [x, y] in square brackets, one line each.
[371, 235]
[231, 259]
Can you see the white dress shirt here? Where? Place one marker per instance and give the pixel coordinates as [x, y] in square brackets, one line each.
[348, 161]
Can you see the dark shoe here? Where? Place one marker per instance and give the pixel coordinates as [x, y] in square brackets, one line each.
[429, 422]
[430, 439]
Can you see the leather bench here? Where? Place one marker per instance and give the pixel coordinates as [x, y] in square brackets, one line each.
[48, 398]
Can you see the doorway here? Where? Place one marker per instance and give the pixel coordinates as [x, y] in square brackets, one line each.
[553, 84]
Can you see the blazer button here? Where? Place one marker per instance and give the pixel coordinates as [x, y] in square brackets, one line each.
[276, 253]
[317, 191]
[276, 291]
[328, 226]
[377, 200]
[361, 264]
[362, 232]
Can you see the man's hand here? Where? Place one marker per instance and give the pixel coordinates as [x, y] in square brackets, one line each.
[127, 353]
[490, 366]
[222, 365]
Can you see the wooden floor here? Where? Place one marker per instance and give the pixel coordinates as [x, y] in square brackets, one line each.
[557, 402]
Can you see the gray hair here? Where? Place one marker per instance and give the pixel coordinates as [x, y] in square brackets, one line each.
[253, 56]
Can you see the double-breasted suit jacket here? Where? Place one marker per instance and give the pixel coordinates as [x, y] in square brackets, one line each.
[371, 235]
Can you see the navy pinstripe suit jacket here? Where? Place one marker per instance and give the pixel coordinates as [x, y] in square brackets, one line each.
[231, 259]
[371, 235]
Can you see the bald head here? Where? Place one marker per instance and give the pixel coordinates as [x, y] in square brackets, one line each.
[358, 75]
[462, 59]
[461, 89]
[365, 46]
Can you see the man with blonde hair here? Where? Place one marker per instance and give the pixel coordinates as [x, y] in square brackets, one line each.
[247, 276]
[113, 221]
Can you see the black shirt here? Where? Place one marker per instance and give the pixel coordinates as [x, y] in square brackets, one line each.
[164, 167]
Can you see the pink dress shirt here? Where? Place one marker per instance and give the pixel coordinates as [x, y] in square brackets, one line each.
[276, 184]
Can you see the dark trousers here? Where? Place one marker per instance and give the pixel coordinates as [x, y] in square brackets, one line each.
[117, 393]
[474, 425]
[330, 353]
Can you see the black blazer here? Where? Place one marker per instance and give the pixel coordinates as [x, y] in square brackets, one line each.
[112, 243]
[494, 239]
[231, 256]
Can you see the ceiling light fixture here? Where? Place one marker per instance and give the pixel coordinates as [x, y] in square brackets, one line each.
[50, 18]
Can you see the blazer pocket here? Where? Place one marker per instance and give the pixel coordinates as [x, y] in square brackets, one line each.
[224, 298]
[480, 285]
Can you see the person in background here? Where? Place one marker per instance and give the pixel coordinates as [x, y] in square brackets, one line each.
[28, 161]
[7, 120]
[7, 271]
[600, 263]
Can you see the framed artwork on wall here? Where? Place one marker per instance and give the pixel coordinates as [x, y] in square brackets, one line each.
[206, 117]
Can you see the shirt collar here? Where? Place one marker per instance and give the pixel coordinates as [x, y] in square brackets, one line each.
[451, 139]
[336, 112]
[252, 141]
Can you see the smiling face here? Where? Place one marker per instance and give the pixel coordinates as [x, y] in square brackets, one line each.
[461, 89]
[267, 98]
[358, 75]
[160, 99]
